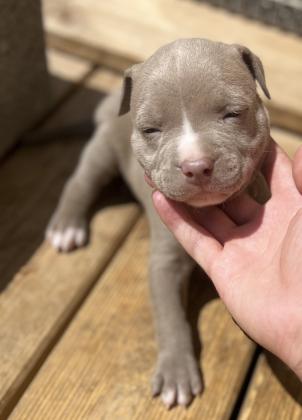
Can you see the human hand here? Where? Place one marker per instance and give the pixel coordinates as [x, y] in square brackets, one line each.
[252, 254]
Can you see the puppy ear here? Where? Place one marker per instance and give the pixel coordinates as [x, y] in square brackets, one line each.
[129, 76]
[255, 66]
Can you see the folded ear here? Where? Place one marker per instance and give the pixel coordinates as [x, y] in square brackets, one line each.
[129, 77]
[255, 67]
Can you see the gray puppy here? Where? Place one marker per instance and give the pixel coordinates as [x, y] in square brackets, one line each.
[198, 131]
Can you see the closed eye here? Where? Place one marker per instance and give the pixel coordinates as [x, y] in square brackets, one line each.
[151, 130]
[231, 115]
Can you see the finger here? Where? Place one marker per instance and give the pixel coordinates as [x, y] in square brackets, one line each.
[215, 221]
[242, 209]
[297, 169]
[196, 240]
[277, 169]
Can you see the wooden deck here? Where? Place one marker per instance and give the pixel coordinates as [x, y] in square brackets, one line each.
[76, 333]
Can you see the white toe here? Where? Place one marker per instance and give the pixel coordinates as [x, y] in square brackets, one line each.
[80, 237]
[68, 239]
[183, 399]
[168, 397]
[57, 239]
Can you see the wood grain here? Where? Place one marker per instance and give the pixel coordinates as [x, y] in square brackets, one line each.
[67, 71]
[101, 367]
[46, 292]
[43, 295]
[66, 66]
[33, 176]
[105, 80]
[110, 33]
[274, 393]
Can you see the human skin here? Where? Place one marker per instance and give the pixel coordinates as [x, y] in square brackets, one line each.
[252, 253]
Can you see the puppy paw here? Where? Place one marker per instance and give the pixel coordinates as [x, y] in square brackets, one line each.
[67, 234]
[177, 379]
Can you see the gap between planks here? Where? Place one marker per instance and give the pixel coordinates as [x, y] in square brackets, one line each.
[39, 301]
[274, 392]
[101, 367]
[288, 142]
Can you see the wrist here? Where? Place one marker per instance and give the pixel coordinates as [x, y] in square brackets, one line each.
[289, 348]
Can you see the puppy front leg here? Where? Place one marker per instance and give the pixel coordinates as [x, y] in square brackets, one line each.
[68, 227]
[177, 377]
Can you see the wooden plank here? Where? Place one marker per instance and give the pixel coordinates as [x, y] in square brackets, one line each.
[42, 297]
[274, 393]
[66, 66]
[22, 194]
[117, 35]
[100, 55]
[45, 293]
[101, 367]
[66, 72]
[30, 184]
[32, 178]
[105, 80]
[44, 172]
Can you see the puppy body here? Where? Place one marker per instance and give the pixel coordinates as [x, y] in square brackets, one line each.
[198, 130]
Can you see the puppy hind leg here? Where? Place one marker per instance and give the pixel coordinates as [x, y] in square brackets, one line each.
[68, 227]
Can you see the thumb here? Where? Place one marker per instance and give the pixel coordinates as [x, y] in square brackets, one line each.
[196, 240]
[297, 169]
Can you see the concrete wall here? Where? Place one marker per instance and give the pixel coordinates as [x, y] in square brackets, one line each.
[24, 82]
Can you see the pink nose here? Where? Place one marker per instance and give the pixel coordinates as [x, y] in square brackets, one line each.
[198, 171]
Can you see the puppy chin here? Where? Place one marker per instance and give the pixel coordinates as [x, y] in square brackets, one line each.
[215, 198]
[202, 199]
[207, 200]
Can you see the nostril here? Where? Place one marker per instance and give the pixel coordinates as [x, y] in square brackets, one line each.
[197, 169]
[207, 171]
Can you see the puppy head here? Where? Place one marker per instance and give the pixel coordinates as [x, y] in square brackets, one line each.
[199, 127]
